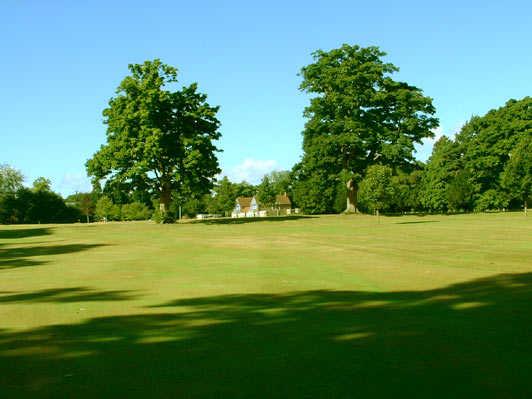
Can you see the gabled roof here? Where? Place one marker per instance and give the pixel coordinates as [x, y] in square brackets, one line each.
[282, 200]
[244, 202]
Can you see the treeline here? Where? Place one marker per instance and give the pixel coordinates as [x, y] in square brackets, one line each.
[37, 204]
[117, 205]
[487, 166]
[359, 141]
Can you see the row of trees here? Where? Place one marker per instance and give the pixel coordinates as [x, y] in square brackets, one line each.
[38, 204]
[221, 199]
[488, 166]
[359, 141]
[358, 150]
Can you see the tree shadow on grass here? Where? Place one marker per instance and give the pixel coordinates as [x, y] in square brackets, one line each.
[24, 233]
[252, 220]
[64, 295]
[21, 256]
[465, 340]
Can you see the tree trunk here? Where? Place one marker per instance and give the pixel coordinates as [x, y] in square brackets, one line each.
[351, 197]
[526, 207]
[164, 200]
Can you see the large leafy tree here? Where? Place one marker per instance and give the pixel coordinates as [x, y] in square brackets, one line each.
[158, 139]
[359, 116]
[486, 143]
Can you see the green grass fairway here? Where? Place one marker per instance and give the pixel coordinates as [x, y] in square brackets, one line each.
[308, 307]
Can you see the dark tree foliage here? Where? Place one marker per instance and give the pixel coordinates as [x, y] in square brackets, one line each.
[36, 206]
[460, 192]
[316, 191]
[517, 174]
[407, 191]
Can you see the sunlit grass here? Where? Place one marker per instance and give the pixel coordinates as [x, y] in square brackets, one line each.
[267, 308]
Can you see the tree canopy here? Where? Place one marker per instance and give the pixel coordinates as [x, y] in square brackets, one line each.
[10, 179]
[377, 189]
[42, 184]
[266, 192]
[517, 174]
[359, 116]
[158, 139]
[223, 200]
[485, 144]
[441, 168]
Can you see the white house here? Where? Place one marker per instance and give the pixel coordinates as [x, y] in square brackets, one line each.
[247, 207]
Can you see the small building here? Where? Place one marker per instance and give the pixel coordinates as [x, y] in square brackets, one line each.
[283, 204]
[247, 207]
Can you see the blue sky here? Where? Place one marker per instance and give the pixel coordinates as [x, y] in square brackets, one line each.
[61, 61]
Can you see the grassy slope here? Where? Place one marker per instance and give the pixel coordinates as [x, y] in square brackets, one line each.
[335, 306]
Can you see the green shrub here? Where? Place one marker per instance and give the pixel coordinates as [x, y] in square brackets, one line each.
[490, 200]
[158, 217]
[135, 211]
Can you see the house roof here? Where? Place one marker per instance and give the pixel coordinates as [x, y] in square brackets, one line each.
[244, 202]
[282, 200]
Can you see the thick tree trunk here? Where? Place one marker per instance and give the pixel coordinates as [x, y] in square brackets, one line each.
[164, 200]
[351, 197]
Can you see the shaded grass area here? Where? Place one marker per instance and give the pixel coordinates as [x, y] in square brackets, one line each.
[336, 307]
[24, 256]
[71, 294]
[465, 340]
[24, 233]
